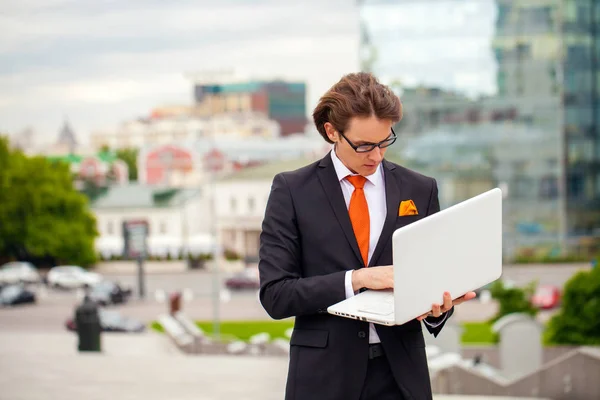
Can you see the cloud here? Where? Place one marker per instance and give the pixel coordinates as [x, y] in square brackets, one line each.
[101, 62]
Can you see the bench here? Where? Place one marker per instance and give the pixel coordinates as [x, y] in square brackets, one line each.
[176, 332]
[192, 329]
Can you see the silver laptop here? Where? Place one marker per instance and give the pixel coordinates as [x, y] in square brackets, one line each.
[458, 250]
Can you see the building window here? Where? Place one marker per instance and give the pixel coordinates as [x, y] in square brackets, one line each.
[575, 186]
[522, 187]
[233, 204]
[501, 80]
[519, 167]
[163, 227]
[523, 51]
[548, 188]
[109, 228]
[251, 204]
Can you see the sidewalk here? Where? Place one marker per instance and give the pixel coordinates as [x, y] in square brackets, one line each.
[135, 367]
[48, 366]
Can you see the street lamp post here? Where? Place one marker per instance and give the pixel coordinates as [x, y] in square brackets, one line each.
[217, 259]
[214, 163]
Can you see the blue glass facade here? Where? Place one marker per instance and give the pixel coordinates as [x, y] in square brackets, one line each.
[284, 102]
[498, 93]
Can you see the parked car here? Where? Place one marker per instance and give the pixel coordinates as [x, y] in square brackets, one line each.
[546, 297]
[13, 295]
[19, 272]
[247, 279]
[112, 321]
[107, 292]
[72, 277]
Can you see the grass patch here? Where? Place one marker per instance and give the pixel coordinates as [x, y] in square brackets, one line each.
[478, 333]
[155, 325]
[243, 330]
[474, 332]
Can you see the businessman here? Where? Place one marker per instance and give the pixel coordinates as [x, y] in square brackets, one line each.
[326, 235]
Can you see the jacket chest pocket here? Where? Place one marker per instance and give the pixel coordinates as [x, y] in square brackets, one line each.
[407, 220]
[309, 338]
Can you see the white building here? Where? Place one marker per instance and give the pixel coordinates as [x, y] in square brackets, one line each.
[178, 219]
[242, 200]
[155, 131]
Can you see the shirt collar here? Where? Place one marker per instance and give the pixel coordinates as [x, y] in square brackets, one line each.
[342, 171]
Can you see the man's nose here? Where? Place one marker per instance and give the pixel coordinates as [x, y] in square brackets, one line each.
[376, 154]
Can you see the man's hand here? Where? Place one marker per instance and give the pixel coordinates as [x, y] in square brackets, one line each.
[373, 278]
[437, 310]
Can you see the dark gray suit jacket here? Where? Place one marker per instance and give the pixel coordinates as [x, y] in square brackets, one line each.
[306, 247]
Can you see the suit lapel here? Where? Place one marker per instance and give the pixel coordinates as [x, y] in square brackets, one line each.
[392, 195]
[333, 190]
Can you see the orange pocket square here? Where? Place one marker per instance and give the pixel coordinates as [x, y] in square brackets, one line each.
[407, 207]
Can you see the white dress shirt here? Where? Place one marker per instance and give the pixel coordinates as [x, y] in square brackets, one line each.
[375, 194]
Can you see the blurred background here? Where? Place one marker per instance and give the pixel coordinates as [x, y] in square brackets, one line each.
[139, 140]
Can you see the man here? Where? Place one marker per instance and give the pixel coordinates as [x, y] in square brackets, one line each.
[326, 235]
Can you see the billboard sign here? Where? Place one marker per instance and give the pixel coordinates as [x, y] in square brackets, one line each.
[135, 234]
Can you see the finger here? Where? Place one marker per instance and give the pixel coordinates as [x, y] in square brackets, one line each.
[422, 317]
[469, 296]
[436, 310]
[466, 297]
[447, 302]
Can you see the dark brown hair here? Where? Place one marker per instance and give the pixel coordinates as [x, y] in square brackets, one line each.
[356, 95]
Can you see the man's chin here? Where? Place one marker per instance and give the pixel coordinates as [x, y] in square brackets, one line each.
[367, 170]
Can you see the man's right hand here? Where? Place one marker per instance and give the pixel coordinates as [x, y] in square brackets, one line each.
[373, 278]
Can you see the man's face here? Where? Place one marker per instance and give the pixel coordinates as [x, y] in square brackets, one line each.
[361, 131]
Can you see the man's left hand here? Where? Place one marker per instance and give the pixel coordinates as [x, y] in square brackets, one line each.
[437, 310]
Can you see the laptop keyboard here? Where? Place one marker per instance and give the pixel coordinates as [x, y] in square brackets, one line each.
[385, 307]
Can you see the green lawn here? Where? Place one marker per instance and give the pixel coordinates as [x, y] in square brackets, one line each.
[478, 333]
[243, 330]
[474, 332]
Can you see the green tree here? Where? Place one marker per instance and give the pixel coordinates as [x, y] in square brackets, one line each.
[130, 157]
[513, 299]
[43, 218]
[578, 321]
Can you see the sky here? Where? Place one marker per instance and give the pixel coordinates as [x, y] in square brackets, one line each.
[98, 63]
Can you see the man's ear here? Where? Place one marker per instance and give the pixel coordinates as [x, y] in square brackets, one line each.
[332, 133]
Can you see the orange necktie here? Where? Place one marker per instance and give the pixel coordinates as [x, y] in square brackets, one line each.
[359, 215]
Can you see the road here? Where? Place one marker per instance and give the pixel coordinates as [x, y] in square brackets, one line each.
[201, 282]
[54, 307]
[544, 274]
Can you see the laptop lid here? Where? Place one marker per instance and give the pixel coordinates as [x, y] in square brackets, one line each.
[458, 250]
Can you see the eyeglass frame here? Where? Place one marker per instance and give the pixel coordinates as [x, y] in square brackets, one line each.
[373, 145]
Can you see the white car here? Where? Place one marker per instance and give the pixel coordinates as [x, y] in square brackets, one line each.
[72, 277]
[19, 272]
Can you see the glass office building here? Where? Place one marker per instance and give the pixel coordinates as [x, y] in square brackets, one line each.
[499, 93]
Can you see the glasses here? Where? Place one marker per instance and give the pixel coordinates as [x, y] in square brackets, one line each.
[367, 147]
